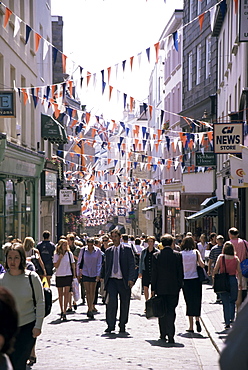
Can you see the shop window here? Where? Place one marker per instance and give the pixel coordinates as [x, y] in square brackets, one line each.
[9, 203]
[29, 208]
[2, 202]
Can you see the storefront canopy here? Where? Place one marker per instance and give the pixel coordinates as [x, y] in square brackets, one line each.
[52, 130]
[211, 210]
[148, 208]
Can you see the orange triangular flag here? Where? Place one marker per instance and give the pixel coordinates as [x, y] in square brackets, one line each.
[37, 38]
[110, 91]
[109, 73]
[210, 135]
[201, 19]
[70, 82]
[56, 111]
[87, 117]
[8, 13]
[53, 90]
[131, 104]
[131, 63]
[156, 50]
[25, 96]
[88, 77]
[64, 57]
[150, 111]
[236, 5]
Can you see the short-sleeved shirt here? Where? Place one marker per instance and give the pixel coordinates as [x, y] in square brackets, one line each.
[46, 249]
[64, 268]
[215, 252]
[241, 248]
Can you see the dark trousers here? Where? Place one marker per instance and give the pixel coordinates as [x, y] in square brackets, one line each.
[23, 346]
[116, 287]
[167, 322]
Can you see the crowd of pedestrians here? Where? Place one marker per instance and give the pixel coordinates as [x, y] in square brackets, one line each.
[109, 265]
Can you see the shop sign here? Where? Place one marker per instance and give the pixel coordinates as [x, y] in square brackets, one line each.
[207, 159]
[243, 20]
[228, 137]
[172, 199]
[7, 104]
[65, 197]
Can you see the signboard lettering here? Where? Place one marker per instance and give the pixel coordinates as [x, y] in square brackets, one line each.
[227, 137]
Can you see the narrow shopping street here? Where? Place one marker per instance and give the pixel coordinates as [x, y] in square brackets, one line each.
[81, 343]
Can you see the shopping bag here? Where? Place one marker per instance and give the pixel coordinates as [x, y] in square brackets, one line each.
[221, 283]
[155, 307]
[136, 290]
[75, 289]
[44, 282]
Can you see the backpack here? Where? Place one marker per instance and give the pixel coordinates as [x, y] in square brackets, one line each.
[47, 296]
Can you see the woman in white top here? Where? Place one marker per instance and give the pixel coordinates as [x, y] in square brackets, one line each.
[192, 288]
[64, 263]
[33, 255]
[202, 246]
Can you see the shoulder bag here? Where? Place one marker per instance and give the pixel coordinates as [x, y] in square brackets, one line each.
[202, 275]
[244, 264]
[221, 281]
[74, 284]
[47, 296]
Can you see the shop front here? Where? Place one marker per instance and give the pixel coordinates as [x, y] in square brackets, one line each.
[20, 171]
[172, 212]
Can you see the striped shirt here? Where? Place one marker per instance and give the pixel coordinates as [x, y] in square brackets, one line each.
[215, 252]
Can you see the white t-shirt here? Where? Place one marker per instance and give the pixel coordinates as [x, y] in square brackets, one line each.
[64, 268]
[202, 249]
[189, 264]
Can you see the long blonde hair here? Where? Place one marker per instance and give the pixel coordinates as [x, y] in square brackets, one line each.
[59, 247]
[28, 243]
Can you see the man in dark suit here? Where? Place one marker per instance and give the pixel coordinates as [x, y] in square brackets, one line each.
[167, 280]
[119, 276]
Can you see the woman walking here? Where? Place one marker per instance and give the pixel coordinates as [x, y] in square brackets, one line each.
[228, 262]
[64, 263]
[89, 268]
[18, 281]
[145, 265]
[192, 288]
[33, 255]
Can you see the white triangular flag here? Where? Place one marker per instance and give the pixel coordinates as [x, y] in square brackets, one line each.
[17, 25]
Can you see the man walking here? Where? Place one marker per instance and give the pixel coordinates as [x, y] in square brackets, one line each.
[46, 249]
[167, 280]
[119, 271]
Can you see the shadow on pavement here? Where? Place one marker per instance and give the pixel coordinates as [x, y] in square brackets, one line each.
[192, 335]
[162, 343]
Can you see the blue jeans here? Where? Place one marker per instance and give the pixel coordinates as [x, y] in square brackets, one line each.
[229, 299]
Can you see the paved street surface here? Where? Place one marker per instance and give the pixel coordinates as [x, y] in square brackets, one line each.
[81, 343]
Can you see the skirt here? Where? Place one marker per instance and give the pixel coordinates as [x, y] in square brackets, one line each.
[192, 292]
[89, 279]
[146, 278]
[62, 281]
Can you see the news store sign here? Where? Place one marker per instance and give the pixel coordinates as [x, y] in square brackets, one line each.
[228, 137]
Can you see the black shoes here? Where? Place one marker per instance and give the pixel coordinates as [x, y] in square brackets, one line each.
[108, 330]
[171, 339]
[122, 329]
[75, 306]
[90, 315]
[198, 326]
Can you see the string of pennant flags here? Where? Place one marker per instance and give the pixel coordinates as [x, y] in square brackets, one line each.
[45, 90]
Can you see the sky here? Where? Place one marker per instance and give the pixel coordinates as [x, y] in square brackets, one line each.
[102, 33]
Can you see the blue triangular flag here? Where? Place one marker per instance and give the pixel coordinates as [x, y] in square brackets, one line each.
[28, 30]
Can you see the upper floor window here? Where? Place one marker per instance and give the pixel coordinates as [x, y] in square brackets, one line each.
[191, 7]
[190, 71]
[208, 56]
[199, 6]
[198, 64]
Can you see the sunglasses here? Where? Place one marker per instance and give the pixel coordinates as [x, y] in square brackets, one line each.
[105, 240]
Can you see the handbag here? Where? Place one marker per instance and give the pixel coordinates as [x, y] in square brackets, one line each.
[202, 275]
[47, 297]
[155, 307]
[221, 281]
[75, 289]
[37, 265]
[244, 265]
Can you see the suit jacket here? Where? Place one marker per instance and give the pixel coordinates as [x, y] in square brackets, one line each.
[167, 272]
[127, 264]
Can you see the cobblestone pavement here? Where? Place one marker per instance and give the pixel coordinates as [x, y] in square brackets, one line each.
[81, 343]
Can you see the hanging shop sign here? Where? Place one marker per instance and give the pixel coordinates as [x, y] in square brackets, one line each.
[7, 104]
[206, 159]
[228, 137]
[65, 197]
[243, 20]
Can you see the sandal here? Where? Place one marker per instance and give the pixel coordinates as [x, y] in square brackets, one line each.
[31, 361]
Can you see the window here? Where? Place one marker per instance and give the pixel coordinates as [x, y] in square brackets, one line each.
[208, 56]
[191, 5]
[190, 70]
[198, 64]
[199, 6]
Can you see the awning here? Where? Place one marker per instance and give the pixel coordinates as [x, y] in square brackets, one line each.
[208, 201]
[148, 208]
[52, 130]
[206, 211]
[120, 228]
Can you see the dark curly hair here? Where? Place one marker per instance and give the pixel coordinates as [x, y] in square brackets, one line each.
[8, 320]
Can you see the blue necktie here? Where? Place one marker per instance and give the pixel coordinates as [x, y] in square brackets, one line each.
[115, 260]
